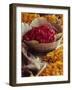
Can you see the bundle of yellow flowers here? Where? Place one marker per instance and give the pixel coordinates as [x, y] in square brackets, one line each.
[55, 63]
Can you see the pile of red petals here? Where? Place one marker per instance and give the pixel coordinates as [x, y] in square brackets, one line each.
[42, 34]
